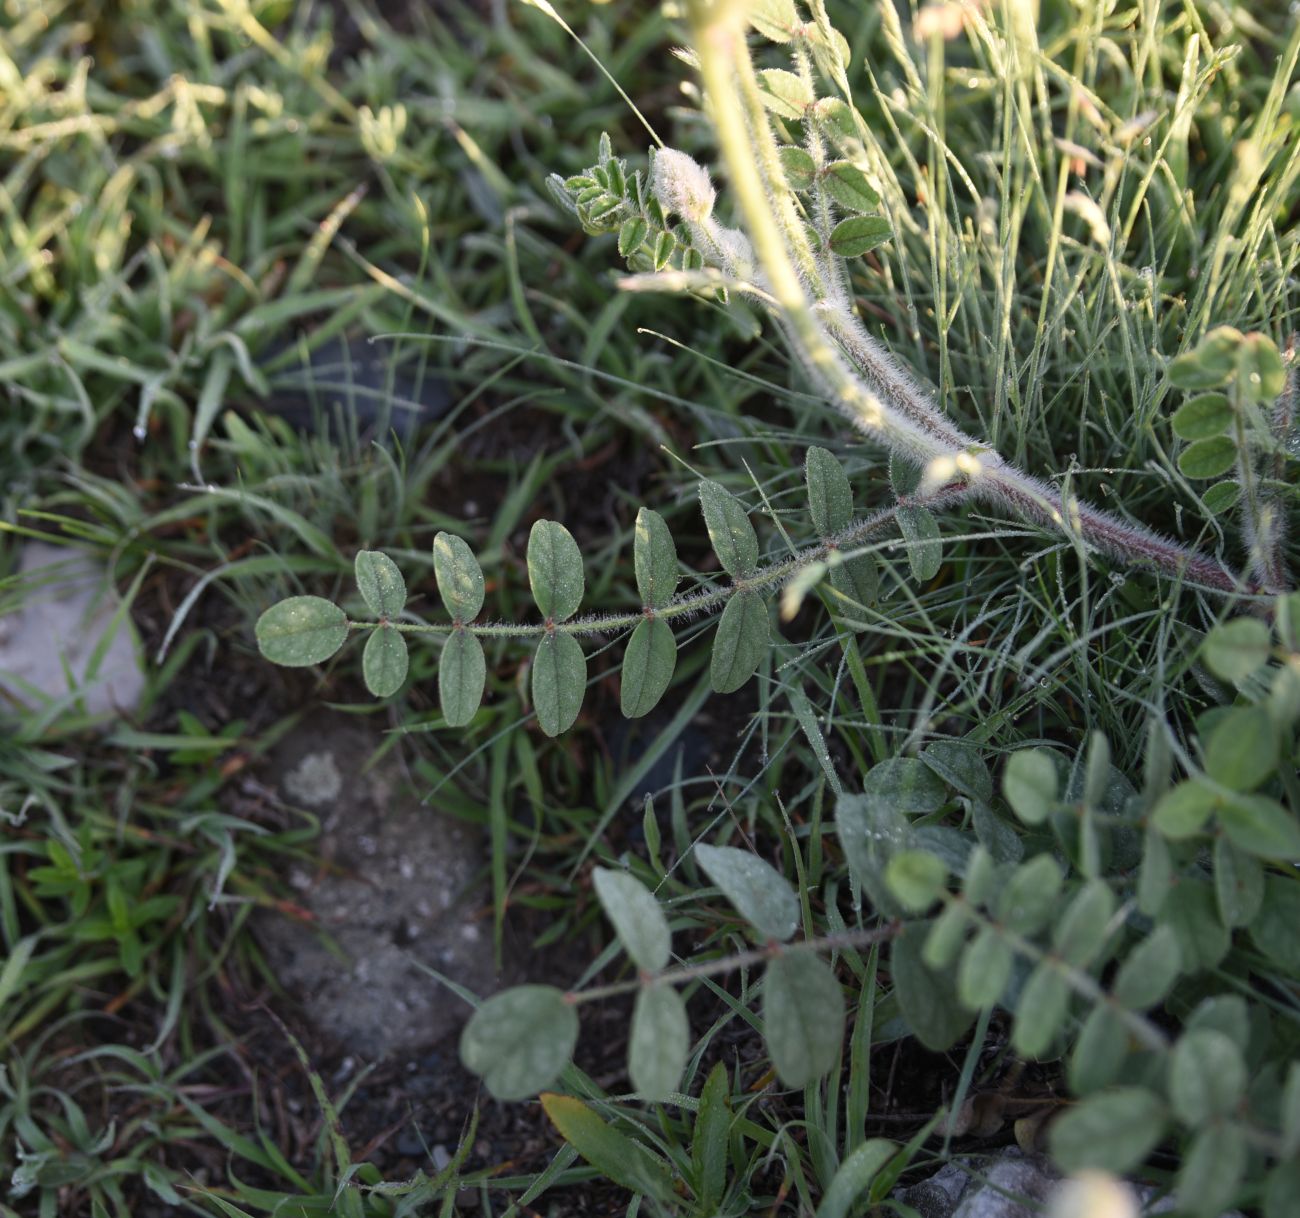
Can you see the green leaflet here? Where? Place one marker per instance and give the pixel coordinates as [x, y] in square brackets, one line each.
[1149, 971]
[799, 167]
[459, 576]
[384, 661]
[1208, 458]
[301, 631]
[462, 672]
[660, 1042]
[803, 1017]
[830, 498]
[1241, 751]
[858, 235]
[844, 182]
[760, 893]
[1099, 1053]
[1235, 649]
[1113, 1131]
[785, 94]
[916, 878]
[733, 537]
[555, 571]
[921, 532]
[518, 1041]
[1238, 883]
[1041, 1011]
[654, 555]
[741, 641]
[638, 921]
[648, 667]
[985, 969]
[381, 583]
[1202, 417]
[1212, 1171]
[1080, 932]
[559, 682]
[926, 997]
[1207, 1076]
[1029, 784]
[773, 19]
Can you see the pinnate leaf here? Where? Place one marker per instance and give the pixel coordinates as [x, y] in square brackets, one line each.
[301, 631]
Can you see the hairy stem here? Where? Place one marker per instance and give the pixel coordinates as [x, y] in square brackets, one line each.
[729, 964]
[686, 605]
[879, 399]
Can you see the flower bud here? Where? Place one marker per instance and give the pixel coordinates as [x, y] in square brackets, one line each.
[682, 186]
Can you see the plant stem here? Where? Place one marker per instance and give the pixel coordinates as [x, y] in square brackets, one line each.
[728, 964]
[903, 419]
[688, 604]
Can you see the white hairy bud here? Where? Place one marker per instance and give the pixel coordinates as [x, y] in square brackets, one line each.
[682, 186]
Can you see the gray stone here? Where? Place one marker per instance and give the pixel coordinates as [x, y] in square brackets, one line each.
[67, 608]
[1010, 1184]
[398, 886]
